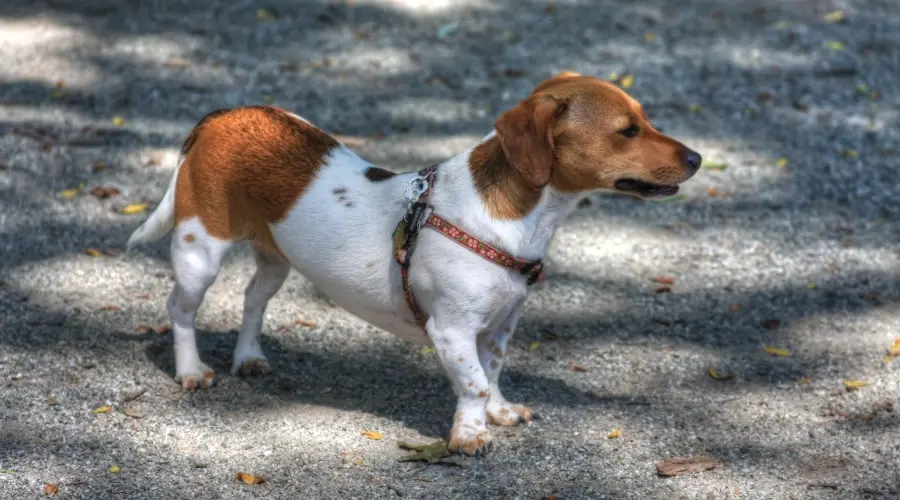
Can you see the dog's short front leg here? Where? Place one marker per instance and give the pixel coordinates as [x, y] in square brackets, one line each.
[458, 351]
[491, 352]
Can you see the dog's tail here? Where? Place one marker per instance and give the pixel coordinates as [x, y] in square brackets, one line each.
[161, 220]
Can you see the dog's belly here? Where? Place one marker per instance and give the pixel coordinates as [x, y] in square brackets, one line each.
[338, 235]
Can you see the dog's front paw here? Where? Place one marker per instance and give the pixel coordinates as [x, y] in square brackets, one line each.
[197, 377]
[471, 439]
[509, 415]
[252, 367]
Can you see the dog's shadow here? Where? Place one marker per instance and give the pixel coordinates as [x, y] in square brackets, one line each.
[394, 383]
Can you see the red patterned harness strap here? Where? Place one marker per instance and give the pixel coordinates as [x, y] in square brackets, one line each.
[404, 246]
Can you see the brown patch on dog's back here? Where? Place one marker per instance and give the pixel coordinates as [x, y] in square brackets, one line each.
[376, 174]
[503, 191]
[244, 168]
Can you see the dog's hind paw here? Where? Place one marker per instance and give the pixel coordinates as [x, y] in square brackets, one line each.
[509, 415]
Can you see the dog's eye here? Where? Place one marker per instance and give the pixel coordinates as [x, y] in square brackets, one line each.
[631, 131]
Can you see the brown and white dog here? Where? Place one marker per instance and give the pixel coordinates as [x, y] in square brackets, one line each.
[303, 200]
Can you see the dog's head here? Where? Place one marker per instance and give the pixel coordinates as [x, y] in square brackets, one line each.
[580, 133]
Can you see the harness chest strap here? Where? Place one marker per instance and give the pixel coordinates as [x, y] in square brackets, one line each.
[408, 228]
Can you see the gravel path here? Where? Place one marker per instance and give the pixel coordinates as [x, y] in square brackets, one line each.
[793, 246]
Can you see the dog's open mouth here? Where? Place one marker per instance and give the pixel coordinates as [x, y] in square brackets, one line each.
[645, 189]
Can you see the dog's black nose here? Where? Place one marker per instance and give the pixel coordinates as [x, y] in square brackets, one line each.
[693, 159]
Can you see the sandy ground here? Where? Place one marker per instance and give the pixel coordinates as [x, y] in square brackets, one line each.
[799, 253]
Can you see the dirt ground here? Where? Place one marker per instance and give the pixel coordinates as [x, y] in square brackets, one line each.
[793, 246]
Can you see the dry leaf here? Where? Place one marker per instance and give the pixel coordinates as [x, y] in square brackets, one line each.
[849, 153]
[250, 478]
[305, 322]
[782, 162]
[118, 121]
[111, 307]
[114, 469]
[780, 25]
[649, 37]
[102, 409]
[142, 330]
[627, 81]
[663, 289]
[695, 108]
[804, 380]
[97, 166]
[714, 165]
[664, 280]
[264, 15]
[834, 17]
[715, 193]
[161, 329]
[852, 385]
[68, 194]
[719, 376]
[93, 252]
[375, 435]
[894, 350]
[550, 7]
[103, 192]
[614, 434]
[575, 367]
[735, 307]
[687, 465]
[777, 351]
[134, 208]
[431, 453]
[131, 412]
[52, 401]
[834, 45]
[534, 346]
[428, 350]
[50, 489]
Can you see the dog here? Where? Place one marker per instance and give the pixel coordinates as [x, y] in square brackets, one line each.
[263, 175]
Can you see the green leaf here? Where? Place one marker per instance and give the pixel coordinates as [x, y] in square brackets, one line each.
[714, 165]
[431, 453]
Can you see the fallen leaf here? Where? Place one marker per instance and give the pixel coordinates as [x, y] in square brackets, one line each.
[550, 7]
[849, 153]
[68, 194]
[114, 469]
[614, 434]
[50, 489]
[102, 409]
[450, 29]
[719, 376]
[264, 15]
[305, 322]
[534, 346]
[670, 199]
[103, 192]
[664, 280]
[649, 37]
[894, 350]
[142, 330]
[267, 99]
[811, 286]
[118, 121]
[780, 25]
[93, 252]
[687, 465]
[627, 81]
[735, 307]
[782, 162]
[714, 165]
[575, 367]
[431, 452]
[59, 93]
[777, 351]
[834, 17]
[97, 166]
[427, 350]
[111, 307]
[852, 385]
[131, 412]
[134, 208]
[804, 380]
[695, 108]
[250, 478]
[834, 45]
[771, 324]
[161, 329]
[715, 193]
[374, 435]
[663, 289]
[52, 401]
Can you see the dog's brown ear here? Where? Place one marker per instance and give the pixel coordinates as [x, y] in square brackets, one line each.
[526, 136]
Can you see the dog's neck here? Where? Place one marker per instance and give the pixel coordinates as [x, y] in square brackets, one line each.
[491, 201]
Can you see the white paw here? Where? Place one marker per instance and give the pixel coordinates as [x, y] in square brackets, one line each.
[250, 363]
[197, 376]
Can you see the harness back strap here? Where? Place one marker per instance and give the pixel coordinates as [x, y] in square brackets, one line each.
[407, 230]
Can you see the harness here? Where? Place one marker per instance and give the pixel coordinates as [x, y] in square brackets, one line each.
[420, 214]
